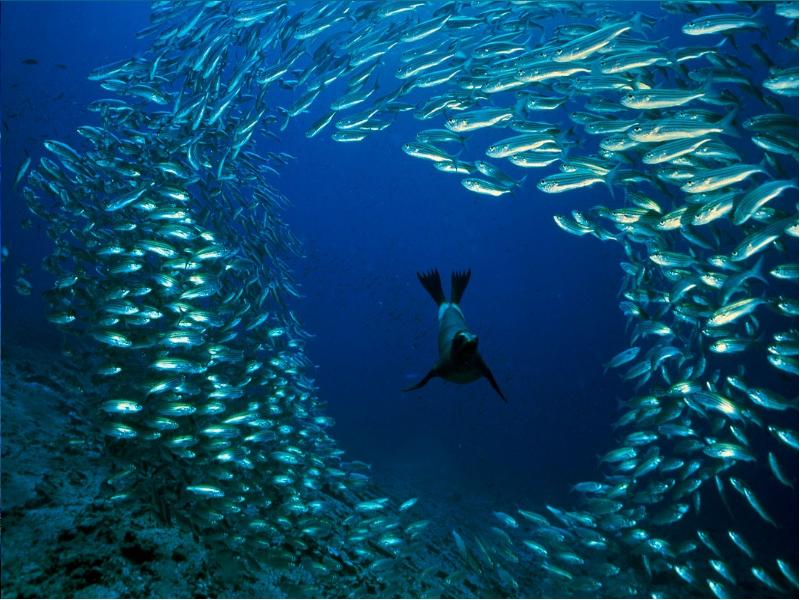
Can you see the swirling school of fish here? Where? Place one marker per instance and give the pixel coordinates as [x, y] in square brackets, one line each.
[169, 257]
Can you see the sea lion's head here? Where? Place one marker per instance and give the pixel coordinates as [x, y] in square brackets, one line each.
[464, 347]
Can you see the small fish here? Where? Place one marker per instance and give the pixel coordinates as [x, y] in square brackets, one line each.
[407, 504]
[590, 43]
[758, 197]
[720, 23]
[22, 171]
[565, 182]
[478, 119]
[208, 491]
[727, 450]
[787, 571]
[710, 181]
[777, 471]
[484, 186]
[761, 574]
[730, 313]
[740, 543]
[659, 98]
[669, 151]
[506, 519]
[748, 494]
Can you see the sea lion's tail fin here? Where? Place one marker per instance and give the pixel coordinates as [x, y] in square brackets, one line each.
[433, 283]
[458, 283]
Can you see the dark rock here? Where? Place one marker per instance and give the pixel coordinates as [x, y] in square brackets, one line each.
[135, 552]
[178, 556]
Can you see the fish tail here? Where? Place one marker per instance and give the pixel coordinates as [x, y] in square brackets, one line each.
[458, 283]
[433, 283]
[636, 22]
[611, 178]
[727, 123]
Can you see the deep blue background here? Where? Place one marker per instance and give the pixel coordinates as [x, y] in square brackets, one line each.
[544, 303]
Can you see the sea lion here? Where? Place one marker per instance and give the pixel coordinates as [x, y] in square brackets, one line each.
[459, 360]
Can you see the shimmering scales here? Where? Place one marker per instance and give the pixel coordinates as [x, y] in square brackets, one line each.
[170, 267]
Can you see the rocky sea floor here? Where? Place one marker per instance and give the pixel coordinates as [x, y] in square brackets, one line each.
[63, 537]
[60, 538]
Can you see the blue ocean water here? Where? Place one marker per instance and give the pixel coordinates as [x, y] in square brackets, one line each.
[545, 304]
[370, 217]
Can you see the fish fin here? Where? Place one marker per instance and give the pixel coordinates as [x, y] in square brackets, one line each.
[707, 88]
[488, 375]
[764, 57]
[730, 37]
[565, 140]
[636, 22]
[287, 118]
[430, 375]
[727, 123]
[516, 186]
[519, 105]
[756, 272]
[433, 283]
[458, 283]
[721, 491]
[611, 178]
[774, 165]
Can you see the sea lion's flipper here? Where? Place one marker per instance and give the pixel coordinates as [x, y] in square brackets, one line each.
[430, 375]
[433, 283]
[488, 374]
[458, 283]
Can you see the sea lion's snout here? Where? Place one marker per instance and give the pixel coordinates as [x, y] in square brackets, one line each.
[465, 346]
[469, 340]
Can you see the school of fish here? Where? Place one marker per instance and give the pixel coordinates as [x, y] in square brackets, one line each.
[169, 257]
